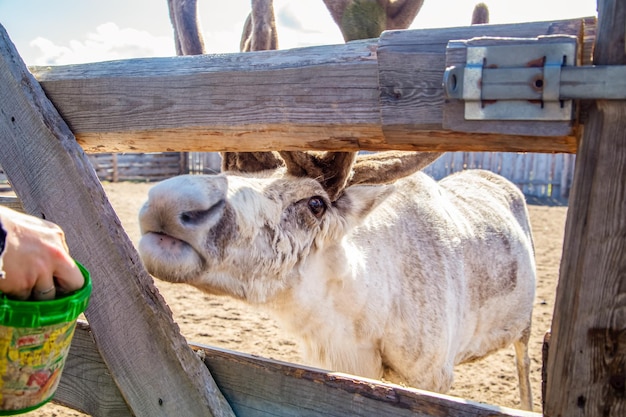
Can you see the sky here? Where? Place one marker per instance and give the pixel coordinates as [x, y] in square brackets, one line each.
[60, 32]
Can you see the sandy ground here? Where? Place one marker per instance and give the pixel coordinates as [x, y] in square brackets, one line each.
[231, 324]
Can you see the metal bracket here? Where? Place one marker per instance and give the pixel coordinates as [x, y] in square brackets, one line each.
[527, 79]
[512, 79]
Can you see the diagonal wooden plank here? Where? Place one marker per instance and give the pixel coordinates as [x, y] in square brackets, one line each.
[132, 325]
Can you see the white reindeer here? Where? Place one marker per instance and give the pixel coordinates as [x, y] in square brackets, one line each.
[397, 281]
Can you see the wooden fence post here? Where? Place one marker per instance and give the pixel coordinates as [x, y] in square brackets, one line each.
[149, 360]
[587, 360]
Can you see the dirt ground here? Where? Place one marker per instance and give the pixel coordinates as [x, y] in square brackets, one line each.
[231, 324]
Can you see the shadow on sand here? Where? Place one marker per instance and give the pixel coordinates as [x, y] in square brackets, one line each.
[546, 201]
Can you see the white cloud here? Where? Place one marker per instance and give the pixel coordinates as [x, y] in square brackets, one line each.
[221, 42]
[298, 23]
[108, 42]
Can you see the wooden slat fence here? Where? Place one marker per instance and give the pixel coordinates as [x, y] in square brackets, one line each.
[203, 162]
[153, 166]
[537, 175]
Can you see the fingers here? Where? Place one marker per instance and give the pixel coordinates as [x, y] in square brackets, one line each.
[44, 290]
[45, 274]
[63, 278]
[68, 277]
[36, 259]
[48, 285]
[17, 292]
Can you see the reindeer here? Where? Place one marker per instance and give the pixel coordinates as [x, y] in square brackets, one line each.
[379, 273]
[380, 270]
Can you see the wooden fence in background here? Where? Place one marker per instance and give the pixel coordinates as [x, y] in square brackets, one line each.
[203, 162]
[537, 175]
[154, 166]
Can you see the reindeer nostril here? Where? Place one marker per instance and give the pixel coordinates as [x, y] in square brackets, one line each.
[196, 217]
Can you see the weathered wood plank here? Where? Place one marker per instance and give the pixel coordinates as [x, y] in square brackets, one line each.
[86, 384]
[324, 98]
[131, 323]
[258, 387]
[189, 103]
[412, 64]
[587, 355]
[12, 203]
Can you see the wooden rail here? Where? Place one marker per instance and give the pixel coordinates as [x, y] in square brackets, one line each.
[261, 387]
[374, 95]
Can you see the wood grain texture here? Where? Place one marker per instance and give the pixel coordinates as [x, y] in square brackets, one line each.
[131, 323]
[419, 58]
[192, 100]
[12, 203]
[86, 384]
[257, 387]
[411, 72]
[322, 98]
[586, 373]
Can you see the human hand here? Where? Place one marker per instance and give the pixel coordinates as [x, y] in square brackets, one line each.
[36, 260]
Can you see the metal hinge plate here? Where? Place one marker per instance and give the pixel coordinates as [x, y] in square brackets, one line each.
[512, 78]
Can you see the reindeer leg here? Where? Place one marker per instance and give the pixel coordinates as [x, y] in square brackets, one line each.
[522, 360]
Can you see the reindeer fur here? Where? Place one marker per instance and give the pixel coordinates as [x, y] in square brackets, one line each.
[397, 281]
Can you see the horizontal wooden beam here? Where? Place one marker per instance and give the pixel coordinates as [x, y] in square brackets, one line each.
[256, 386]
[377, 94]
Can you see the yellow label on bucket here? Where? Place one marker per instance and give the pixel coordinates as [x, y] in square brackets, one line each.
[31, 361]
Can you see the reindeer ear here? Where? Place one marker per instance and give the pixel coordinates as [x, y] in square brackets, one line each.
[357, 202]
[250, 161]
[331, 169]
[386, 167]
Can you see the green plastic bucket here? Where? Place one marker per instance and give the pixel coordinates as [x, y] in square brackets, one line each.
[35, 338]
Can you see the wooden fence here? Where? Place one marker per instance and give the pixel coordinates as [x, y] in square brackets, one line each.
[154, 166]
[537, 175]
[203, 162]
[131, 327]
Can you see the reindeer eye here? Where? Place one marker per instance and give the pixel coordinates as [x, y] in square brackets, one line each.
[317, 206]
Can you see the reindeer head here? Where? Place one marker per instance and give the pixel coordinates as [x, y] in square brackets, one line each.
[254, 229]
[252, 235]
